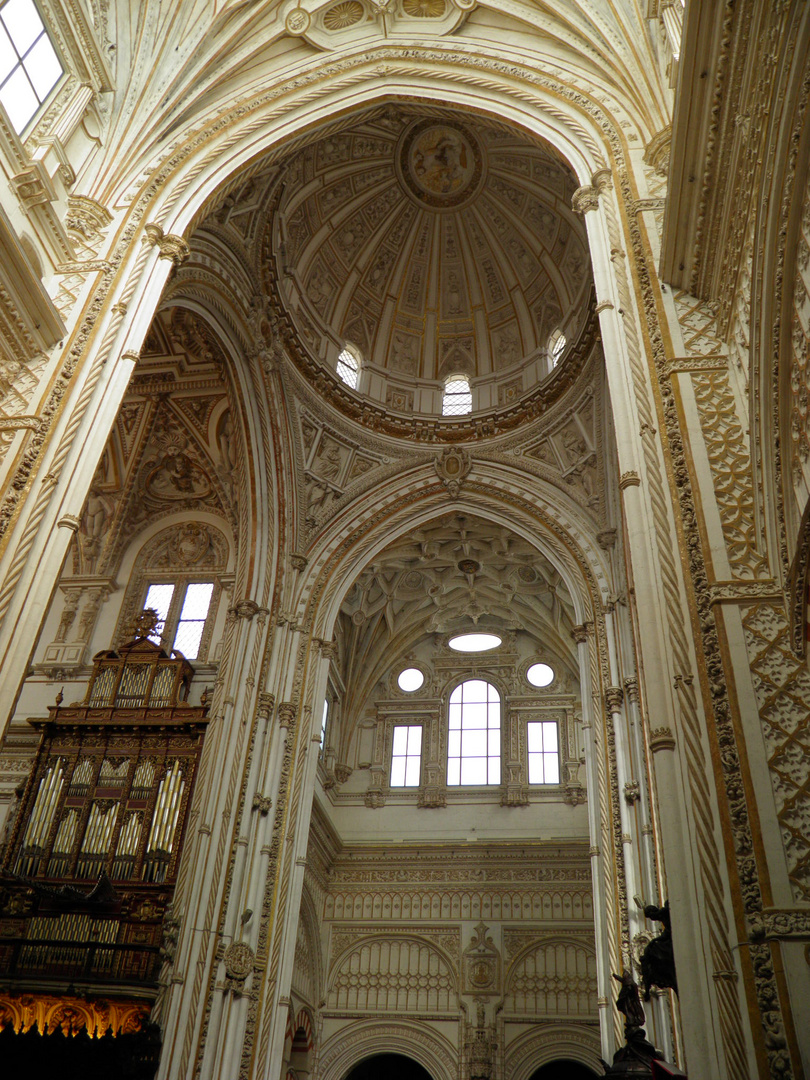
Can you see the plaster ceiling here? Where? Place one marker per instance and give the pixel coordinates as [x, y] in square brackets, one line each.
[434, 241]
[458, 573]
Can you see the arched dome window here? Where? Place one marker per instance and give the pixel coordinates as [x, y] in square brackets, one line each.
[556, 346]
[348, 366]
[457, 397]
[474, 734]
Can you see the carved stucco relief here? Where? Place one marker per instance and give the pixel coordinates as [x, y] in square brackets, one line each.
[730, 460]
[782, 685]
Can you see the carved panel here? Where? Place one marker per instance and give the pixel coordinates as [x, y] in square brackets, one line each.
[730, 459]
[782, 685]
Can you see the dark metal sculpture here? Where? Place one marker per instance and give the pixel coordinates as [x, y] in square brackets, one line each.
[658, 959]
[636, 1056]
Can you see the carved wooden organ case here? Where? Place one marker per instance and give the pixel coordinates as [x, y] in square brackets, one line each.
[90, 868]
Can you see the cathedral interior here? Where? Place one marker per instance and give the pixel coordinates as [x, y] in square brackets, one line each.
[404, 539]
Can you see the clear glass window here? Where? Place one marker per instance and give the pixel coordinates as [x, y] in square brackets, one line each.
[457, 398]
[192, 619]
[324, 718]
[406, 757]
[187, 635]
[410, 679]
[540, 675]
[544, 753]
[348, 368]
[474, 734]
[29, 66]
[556, 346]
[159, 598]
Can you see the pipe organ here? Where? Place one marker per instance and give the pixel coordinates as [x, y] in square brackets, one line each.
[89, 871]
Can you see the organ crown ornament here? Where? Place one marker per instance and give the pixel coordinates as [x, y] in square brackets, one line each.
[92, 858]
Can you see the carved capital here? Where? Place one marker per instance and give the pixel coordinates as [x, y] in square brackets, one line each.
[629, 479]
[631, 690]
[574, 794]
[68, 521]
[246, 609]
[169, 246]
[606, 539]
[632, 791]
[264, 705]
[342, 772]
[286, 714]
[657, 150]
[662, 739]
[298, 562]
[262, 803]
[585, 199]
[602, 180]
[580, 633]
[614, 697]
[328, 649]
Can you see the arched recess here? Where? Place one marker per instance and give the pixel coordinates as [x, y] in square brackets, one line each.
[355, 536]
[535, 1048]
[367, 1038]
[393, 958]
[555, 976]
[256, 450]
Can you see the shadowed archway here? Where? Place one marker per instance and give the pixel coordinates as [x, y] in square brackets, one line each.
[389, 1067]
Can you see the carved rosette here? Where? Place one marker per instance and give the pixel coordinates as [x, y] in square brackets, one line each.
[238, 960]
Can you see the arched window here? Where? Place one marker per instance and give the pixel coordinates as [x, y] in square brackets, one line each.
[556, 346]
[457, 398]
[348, 366]
[177, 574]
[29, 66]
[474, 734]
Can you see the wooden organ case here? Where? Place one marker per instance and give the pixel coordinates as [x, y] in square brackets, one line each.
[89, 870]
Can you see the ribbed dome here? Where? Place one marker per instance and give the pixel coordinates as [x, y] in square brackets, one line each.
[434, 242]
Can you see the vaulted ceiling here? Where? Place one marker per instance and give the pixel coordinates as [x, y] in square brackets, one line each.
[434, 241]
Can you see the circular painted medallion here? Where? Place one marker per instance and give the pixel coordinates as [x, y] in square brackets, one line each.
[440, 164]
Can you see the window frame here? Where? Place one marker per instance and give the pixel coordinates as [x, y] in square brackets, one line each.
[448, 734]
[457, 377]
[181, 583]
[354, 354]
[44, 102]
[406, 725]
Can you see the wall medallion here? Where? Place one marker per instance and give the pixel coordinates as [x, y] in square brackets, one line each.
[440, 164]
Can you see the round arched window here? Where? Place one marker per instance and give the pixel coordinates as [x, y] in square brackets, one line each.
[556, 346]
[348, 366]
[457, 398]
[474, 734]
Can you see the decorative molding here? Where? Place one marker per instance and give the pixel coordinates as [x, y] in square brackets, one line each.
[453, 466]
[661, 738]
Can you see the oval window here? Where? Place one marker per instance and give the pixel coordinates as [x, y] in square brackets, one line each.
[540, 675]
[474, 642]
[410, 679]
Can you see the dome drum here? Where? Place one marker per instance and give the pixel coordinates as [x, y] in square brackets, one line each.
[434, 243]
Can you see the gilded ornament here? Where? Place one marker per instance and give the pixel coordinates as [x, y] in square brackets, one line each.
[341, 16]
[238, 960]
[424, 9]
[297, 22]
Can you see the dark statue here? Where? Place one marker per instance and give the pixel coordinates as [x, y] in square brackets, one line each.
[637, 1054]
[658, 959]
